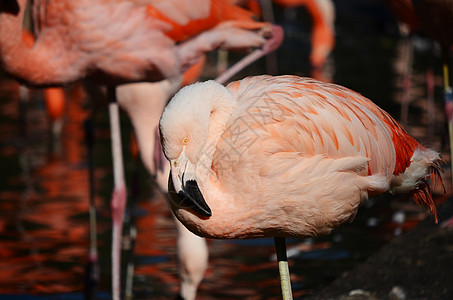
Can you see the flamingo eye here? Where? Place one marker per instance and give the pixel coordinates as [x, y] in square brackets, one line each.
[185, 141]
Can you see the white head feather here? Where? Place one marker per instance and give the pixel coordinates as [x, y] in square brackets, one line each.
[196, 112]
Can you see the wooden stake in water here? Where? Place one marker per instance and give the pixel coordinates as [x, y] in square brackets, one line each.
[285, 281]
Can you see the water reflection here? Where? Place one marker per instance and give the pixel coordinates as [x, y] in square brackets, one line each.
[43, 203]
[44, 189]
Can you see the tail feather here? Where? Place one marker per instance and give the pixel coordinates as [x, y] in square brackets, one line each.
[423, 170]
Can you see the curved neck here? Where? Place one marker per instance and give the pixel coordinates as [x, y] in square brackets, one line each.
[11, 35]
[220, 110]
[39, 65]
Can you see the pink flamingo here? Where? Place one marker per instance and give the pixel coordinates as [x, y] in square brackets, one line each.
[144, 103]
[192, 251]
[113, 42]
[284, 157]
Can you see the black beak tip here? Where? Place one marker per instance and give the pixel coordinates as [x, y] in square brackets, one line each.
[200, 207]
[190, 196]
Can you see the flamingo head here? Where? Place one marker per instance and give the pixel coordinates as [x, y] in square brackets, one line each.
[189, 123]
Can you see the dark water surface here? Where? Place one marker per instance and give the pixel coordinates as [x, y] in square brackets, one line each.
[44, 191]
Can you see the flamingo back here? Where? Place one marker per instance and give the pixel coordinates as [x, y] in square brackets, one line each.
[320, 118]
[289, 114]
[188, 18]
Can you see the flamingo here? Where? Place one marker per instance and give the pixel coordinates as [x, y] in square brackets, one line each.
[144, 103]
[192, 251]
[115, 42]
[284, 157]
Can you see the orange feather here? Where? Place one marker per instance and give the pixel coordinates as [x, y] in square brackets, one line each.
[221, 10]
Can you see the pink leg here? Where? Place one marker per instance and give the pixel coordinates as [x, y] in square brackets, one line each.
[271, 44]
[118, 202]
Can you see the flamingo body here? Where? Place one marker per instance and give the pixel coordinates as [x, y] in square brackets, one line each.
[114, 42]
[144, 103]
[54, 97]
[283, 156]
[117, 42]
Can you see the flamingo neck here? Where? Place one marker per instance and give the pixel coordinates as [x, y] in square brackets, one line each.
[12, 47]
[38, 65]
[220, 110]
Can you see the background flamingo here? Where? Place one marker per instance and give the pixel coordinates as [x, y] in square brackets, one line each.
[364, 29]
[284, 156]
[135, 99]
[141, 45]
[144, 103]
[73, 35]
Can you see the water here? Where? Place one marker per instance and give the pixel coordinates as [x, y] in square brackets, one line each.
[44, 192]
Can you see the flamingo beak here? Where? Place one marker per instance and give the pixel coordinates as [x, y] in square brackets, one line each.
[187, 193]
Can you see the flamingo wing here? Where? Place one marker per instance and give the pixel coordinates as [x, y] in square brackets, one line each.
[127, 41]
[317, 141]
[314, 118]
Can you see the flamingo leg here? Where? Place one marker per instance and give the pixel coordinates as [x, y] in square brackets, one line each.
[272, 44]
[118, 202]
[92, 271]
[222, 61]
[134, 195]
[268, 16]
[285, 280]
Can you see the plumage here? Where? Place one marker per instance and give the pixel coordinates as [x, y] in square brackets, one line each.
[285, 156]
[144, 103]
[117, 42]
